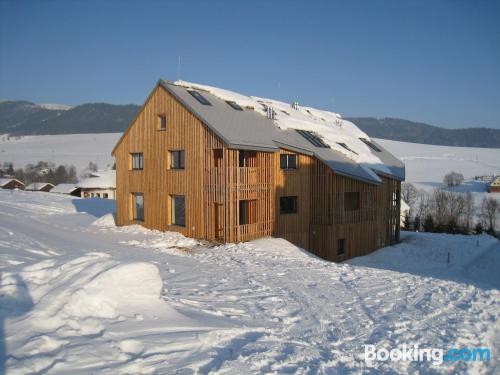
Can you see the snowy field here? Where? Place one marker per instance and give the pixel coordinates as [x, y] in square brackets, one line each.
[79, 295]
[425, 164]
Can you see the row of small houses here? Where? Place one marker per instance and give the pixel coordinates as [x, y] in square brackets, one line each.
[101, 184]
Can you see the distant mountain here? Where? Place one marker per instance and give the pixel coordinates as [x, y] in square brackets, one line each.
[23, 118]
[26, 118]
[418, 132]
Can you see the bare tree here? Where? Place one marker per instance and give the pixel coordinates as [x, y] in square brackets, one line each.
[453, 179]
[409, 193]
[489, 211]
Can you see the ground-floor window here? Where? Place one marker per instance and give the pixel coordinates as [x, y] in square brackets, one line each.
[288, 205]
[248, 212]
[341, 246]
[178, 214]
[105, 195]
[138, 206]
[351, 201]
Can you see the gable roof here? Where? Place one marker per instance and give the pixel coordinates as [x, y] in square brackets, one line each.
[64, 188]
[5, 181]
[251, 129]
[99, 180]
[35, 186]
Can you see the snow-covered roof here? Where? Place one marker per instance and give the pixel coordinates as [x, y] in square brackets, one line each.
[64, 188]
[5, 181]
[35, 186]
[99, 180]
[349, 151]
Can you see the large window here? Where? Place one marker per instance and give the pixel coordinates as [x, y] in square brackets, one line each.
[351, 201]
[177, 159]
[341, 246]
[288, 205]
[248, 212]
[162, 122]
[288, 161]
[138, 206]
[137, 161]
[178, 210]
[370, 144]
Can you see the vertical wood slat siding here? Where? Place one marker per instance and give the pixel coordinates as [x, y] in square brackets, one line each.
[213, 189]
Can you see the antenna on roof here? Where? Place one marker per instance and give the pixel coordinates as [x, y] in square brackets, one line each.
[295, 105]
[179, 69]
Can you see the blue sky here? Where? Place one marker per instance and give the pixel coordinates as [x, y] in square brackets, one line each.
[430, 61]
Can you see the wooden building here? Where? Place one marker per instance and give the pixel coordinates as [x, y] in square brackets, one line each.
[494, 186]
[40, 186]
[198, 162]
[11, 183]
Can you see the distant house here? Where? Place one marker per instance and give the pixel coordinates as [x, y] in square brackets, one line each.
[494, 186]
[11, 183]
[40, 186]
[69, 189]
[101, 184]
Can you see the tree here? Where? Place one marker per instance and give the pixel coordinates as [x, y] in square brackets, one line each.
[479, 228]
[489, 211]
[429, 223]
[417, 224]
[453, 179]
[407, 221]
[408, 193]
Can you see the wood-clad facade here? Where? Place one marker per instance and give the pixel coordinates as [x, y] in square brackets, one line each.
[233, 195]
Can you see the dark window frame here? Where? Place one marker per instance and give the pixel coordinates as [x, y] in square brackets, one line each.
[162, 121]
[342, 144]
[179, 221]
[199, 97]
[244, 157]
[137, 161]
[137, 214]
[288, 205]
[245, 216]
[285, 163]
[179, 157]
[341, 247]
[352, 201]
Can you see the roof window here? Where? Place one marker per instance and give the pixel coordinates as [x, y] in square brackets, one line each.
[234, 105]
[347, 147]
[370, 144]
[199, 97]
[313, 138]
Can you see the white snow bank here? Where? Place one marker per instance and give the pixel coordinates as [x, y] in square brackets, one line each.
[122, 290]
[105, 221]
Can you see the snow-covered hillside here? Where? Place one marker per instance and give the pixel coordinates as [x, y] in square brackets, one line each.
[79, 295]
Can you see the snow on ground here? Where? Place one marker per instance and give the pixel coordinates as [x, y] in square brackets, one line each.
[76, 149]
[79, 295]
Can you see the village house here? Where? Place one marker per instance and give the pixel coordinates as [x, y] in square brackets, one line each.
[100, 184]
[217, 165]
[68, 189]
[11, 183]
[40, 186]
[494, 186]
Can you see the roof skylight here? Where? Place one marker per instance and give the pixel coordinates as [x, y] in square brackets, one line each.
[313, 138]
[370, 144]
[347, 147]
[199, 97]
[234, 105]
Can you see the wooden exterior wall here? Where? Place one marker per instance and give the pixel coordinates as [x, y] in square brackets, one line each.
[213, 185]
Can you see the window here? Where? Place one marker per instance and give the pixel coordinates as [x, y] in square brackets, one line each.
[247, 158]
[347, 147]
[288, 205]
[105, 195]
[288, 161]
[312, 138]
[248, 212]
[199, 97]
[178, 210]
[234, 105]
[137, 161]
[138, 206]
[162, 120]
[370, 144]
[341, 246]
[351, 201]
[177, 159]
[98, 195]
